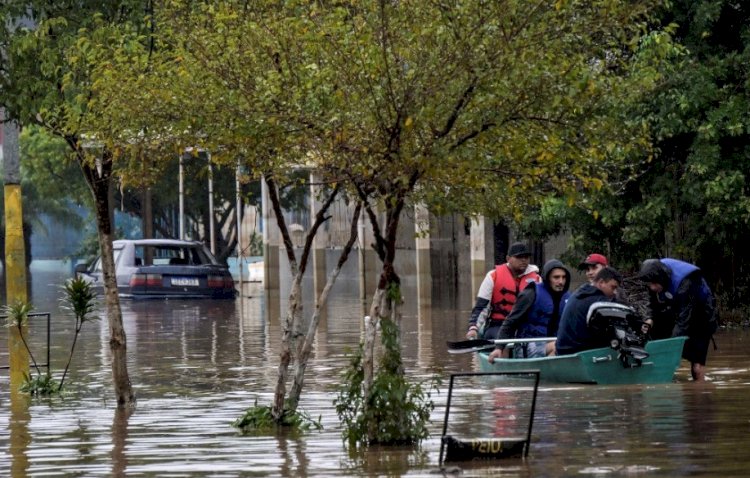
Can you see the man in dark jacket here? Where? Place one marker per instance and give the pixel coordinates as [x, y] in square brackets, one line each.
[574, 334]
[681, 304]
[536, 312]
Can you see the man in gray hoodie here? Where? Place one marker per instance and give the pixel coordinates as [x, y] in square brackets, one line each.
[536, 312]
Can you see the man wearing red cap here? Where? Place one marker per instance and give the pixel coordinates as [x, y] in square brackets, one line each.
[592, 265]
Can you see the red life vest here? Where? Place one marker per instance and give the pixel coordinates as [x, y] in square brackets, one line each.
[506, 289]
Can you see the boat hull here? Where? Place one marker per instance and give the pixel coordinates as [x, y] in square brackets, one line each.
[598, 366]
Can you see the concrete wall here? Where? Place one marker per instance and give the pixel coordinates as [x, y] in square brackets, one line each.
[450, 262]
[447, 257]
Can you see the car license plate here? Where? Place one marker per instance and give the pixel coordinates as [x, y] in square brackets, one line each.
[185, 281]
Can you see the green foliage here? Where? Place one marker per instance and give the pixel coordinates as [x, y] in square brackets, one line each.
[395, 412]
[50, 48]
[477, 107]
[259, 419]
[50, 180]
[545, 221]
[52, 51]
[50, 185]
[89, 249]
[18, 313]
[691, 200]
[40, 187]
[422, 101]
[255, 248]
[41, 385]
[393, 293]
[79, 297]
[18, 316]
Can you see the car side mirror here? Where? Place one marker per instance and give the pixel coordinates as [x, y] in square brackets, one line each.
[82, 268]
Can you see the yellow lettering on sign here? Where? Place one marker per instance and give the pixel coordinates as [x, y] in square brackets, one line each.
[487, 446]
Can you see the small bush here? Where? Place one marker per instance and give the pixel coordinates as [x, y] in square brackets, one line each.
[79, 297]
[396, 411]
[258, 419]
[39, 385]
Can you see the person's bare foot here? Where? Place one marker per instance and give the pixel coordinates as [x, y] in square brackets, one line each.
[698, 373]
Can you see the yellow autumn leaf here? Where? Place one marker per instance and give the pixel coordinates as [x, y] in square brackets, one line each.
[544, 155]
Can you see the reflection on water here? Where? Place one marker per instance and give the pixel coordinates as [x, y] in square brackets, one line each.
[196, 366]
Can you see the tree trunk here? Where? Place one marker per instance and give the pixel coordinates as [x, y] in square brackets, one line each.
[306, 346]
[377, 308]
[294, 312]
[285, 355]
[147, 214]
[99, 179]
[295, 303]
[381, 303]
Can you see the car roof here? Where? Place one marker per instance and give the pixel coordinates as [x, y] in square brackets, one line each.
[156, 242]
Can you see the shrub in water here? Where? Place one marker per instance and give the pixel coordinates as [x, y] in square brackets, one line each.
[396, 412]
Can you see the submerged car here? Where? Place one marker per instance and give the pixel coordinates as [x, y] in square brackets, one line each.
[164, 268]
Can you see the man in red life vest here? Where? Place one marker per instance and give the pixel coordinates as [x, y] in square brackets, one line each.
[499, 290]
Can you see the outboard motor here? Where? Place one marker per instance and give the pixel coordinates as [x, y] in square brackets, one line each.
[620, 327]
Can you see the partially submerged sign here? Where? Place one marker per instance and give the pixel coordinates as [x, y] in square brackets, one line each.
[457, 449]
[511, 434]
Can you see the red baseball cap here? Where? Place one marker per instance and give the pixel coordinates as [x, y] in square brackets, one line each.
[593, 259]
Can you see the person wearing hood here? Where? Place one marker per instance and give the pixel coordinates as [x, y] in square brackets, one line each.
[499, 290]
[537, 312]
[574, 334]
[681, 304]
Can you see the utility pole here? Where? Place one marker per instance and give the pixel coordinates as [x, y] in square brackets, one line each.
[238, 206]
[211, 233]
[15, 254]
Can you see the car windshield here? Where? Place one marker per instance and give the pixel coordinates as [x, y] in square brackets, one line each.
[153, 255]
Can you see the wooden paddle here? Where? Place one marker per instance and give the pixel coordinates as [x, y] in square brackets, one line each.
[467, 346]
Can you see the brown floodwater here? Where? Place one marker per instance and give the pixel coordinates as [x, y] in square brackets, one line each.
[197, 365]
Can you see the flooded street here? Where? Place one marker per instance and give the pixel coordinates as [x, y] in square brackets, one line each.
[197, 365]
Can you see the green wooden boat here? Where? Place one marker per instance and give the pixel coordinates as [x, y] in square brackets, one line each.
[599, 366]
